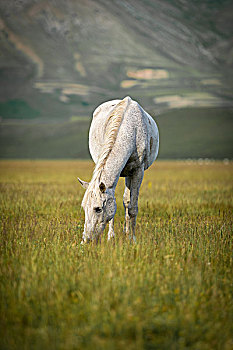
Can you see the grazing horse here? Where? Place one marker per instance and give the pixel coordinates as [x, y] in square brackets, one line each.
[123, 141]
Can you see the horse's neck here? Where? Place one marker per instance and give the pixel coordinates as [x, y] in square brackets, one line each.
[114, 165]
[110, 177]
[116, 159]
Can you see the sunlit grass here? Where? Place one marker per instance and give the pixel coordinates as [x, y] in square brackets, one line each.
[170, 290]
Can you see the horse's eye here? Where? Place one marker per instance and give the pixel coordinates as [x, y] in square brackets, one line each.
[98, 210]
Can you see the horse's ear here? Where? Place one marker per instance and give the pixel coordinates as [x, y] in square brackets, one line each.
[83, 183]
[102, 187]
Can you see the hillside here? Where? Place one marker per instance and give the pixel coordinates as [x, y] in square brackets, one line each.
[64, 58]
[60, 59]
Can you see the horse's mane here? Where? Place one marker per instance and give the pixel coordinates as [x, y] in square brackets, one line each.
[111, 130]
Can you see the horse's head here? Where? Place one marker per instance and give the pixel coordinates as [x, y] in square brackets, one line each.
[99, 205]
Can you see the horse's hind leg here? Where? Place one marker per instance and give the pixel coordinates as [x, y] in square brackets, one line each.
[126, 202]
[130, 200]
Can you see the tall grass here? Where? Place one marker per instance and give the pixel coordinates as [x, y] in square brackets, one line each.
[170, 290]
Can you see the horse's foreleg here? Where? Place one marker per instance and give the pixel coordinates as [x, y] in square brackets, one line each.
[111, 233]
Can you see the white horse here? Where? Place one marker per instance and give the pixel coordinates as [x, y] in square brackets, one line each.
[123, 141]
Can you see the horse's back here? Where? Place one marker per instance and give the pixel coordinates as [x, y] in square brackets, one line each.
[136, 121]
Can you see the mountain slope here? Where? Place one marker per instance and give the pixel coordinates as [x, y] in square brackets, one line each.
[64, 58]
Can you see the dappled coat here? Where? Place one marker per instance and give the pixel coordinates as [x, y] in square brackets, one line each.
[123, 141]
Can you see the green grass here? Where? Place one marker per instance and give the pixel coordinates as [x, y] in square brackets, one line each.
[170, 290]
[196, 133]
[49, 140]
[185, 133]
[17, 109]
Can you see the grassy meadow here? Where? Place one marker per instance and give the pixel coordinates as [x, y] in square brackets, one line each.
[170, 290]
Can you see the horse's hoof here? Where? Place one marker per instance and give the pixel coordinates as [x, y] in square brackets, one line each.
[85, 241]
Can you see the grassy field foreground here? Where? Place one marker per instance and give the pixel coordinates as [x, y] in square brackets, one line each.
[170, 290]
